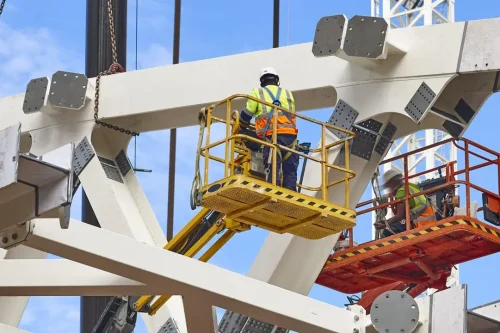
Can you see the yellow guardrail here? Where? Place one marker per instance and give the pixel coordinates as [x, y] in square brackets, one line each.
[232, 146]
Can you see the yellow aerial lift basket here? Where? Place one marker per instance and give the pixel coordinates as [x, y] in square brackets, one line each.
[242, 198]
[248, 199]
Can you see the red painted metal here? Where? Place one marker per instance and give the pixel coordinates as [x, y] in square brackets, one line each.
[394, 259]
[423, 256]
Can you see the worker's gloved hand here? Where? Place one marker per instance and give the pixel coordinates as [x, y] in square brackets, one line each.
[379, 225]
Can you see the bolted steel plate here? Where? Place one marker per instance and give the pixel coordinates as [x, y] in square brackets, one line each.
[365, 36]
[328, 35]
[420, 101]
[386, 138]
[343, 116]
[371, 124]
[394, 312]
[34, 97]
[363, 143]
[67, 90]
[82, 155]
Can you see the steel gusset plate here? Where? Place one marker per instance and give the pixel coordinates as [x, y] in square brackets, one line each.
[420, 101]
[365, 36]
[343, 116]
[328, 35]
[386, 139]
[34, 97]
[363, 143]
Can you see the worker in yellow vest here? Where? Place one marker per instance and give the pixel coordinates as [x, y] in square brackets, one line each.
[421, 211]
[271, 92]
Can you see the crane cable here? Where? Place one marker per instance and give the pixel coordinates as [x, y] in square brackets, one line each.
[113, 69]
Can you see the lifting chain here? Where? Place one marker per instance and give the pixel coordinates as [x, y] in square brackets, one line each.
[1, 6]
[113, 69]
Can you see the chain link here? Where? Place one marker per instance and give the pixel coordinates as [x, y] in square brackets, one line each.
[112, 31]
[113, 69]
[1, 6]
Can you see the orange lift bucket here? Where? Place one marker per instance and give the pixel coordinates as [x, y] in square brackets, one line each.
[422, 256]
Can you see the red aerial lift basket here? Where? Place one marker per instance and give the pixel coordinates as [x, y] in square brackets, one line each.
[423, 256]
[419, 256]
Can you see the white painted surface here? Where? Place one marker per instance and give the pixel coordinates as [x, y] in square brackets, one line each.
[196, 279]
[449, 310]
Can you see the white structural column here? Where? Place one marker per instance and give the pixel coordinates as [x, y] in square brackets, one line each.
[403, 14]
[12, 308]
[195, 281]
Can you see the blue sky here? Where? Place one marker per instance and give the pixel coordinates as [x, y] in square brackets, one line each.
[40, 37]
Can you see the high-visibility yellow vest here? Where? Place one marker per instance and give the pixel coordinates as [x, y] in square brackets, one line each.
[274, 95]
[421, 210]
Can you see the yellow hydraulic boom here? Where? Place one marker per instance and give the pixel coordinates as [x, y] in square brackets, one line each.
[243, 198]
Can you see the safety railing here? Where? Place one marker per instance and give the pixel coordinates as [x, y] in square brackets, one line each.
[233, 147]
[451, 180]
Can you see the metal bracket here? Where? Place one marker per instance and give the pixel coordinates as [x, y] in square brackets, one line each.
[64, 216]
[328, 35]
[110, 169]
[394, 311]
[169, 327]
[363, 143]
[233, 322]
[371, 124]
[386, 139]
[35, 95]
[464, 110]
[453, 129]
[15, 234]
[365, 37]
[343, 116]
[68, 90]
[420, 102]
[123, 163]
[83, 154]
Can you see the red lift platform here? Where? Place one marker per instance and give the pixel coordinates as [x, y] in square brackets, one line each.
[422, 258]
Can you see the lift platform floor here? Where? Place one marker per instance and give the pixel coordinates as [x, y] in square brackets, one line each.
[258, 203]
[421, 255]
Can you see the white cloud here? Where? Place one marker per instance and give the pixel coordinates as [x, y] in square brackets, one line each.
[29, 53]
[154, 55]
[52, 315]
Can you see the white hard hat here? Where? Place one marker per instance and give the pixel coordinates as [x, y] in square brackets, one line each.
[268, 70]
[389, 175]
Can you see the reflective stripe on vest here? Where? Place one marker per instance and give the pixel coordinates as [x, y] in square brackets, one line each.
[286, 122]
[415, 213]
[427, 217]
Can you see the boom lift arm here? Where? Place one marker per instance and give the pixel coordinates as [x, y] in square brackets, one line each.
[243, 159]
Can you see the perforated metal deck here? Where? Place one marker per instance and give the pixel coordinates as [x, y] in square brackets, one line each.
[261, 204]
[405, 256]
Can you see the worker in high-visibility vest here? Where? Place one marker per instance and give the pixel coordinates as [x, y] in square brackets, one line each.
[421, 210]
[271, 92]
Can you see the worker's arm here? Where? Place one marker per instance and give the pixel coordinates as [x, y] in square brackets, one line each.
[399, 215]
[247, 114]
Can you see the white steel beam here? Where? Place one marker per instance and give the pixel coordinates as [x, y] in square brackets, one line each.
[61, 277]
[10, 329]
[200, 315]
[147, 112]
[154, 266]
